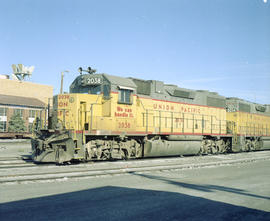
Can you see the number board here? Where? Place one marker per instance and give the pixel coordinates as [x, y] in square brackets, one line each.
[93, 80]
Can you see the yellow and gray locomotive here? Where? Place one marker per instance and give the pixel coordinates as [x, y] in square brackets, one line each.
[110, 117]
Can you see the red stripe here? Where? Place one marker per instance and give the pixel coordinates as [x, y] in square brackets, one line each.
[198, 134]
[175, 102]
[175, 133]
[149, 132]
[253, 135]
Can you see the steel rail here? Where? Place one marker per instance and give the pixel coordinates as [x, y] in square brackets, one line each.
[92, 172]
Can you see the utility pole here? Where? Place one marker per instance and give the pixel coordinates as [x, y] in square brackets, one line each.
[62, 80]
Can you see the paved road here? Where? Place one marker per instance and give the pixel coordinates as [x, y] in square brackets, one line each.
[15, 148]
[235, 192]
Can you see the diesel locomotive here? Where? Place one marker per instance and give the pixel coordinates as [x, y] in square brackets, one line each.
[107, 117]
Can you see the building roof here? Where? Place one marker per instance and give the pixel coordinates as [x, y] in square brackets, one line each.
[26, 89]
[20, 101]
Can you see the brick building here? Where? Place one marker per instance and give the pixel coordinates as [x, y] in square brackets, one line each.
[27, 99]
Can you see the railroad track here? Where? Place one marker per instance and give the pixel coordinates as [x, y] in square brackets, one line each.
[15, 162]
[26, 158]
[55, 173]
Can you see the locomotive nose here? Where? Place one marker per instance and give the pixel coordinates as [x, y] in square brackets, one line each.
[57, 148]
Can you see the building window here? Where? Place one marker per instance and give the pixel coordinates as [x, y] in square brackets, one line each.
[33, 113]
[30, 127]
[3, 119]
[33, 116]
[125, 96]
[3, 111]
[3, 126]
[18, 112]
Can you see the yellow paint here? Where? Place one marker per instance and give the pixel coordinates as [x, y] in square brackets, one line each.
[87, 112]
[250, 124]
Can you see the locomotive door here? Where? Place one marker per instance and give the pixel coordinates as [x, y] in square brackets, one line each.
[83, 117]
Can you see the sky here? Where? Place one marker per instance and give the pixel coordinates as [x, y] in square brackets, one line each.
[215, 45]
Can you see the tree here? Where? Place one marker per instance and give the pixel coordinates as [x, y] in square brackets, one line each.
[16, 124]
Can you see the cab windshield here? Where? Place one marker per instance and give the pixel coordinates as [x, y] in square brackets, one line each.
[90, 90]
[93, 89]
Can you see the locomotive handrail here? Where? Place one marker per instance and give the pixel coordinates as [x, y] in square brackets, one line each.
[193, 117]
[254, 130]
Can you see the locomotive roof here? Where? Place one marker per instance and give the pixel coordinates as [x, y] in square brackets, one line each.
[83, 81]
[160, 90]
[120, 81]
[235, 104]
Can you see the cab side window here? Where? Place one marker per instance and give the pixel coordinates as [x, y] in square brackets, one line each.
[125, 96]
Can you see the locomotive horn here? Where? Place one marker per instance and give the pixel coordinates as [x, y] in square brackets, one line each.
[80, 70]
[89, 70]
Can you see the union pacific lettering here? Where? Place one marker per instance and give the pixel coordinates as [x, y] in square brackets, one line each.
[184, 109]
[63, 113]
[190, 110]
[62, 104]
[163, 107]
[63, 100]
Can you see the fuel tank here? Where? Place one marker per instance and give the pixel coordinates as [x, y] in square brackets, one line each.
[156, 148]
[265, 143]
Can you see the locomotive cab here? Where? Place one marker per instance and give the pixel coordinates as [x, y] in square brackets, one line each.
[98, 105]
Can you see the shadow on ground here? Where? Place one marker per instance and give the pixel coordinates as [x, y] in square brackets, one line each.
[117, 203]
[201, 187]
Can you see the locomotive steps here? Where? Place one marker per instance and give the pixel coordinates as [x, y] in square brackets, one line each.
[52, 173]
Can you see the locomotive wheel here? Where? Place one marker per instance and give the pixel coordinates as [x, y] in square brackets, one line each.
[124, 154]
[214, 148]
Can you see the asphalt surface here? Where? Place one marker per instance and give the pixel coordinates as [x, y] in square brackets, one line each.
[231, 192]
[15, 147]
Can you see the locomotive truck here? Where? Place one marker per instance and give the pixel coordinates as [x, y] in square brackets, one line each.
[107, 117]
